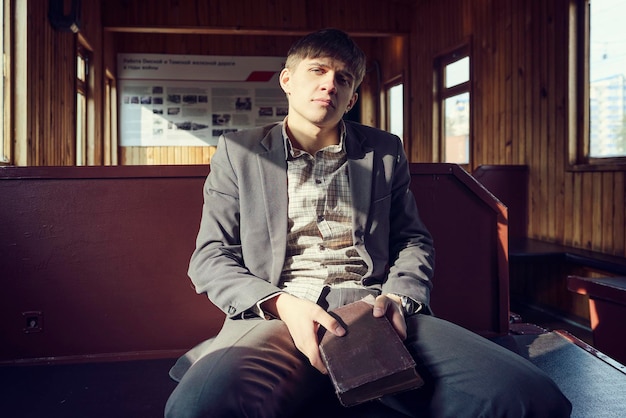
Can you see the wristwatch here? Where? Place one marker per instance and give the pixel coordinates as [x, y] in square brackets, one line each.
[409, 306]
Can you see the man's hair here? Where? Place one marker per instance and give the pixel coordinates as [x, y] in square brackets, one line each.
[330, 43]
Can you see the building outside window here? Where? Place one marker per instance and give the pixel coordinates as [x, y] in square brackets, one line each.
[597, 111]
[607, 79]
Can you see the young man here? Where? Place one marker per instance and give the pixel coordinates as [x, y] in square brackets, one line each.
[314, 213]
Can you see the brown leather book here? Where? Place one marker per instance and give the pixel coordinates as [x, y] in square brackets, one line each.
[370, 360]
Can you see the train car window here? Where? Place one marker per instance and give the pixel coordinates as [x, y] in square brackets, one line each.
[394, 98]
[5, 86]
[110, 120]
[453, 107]
[607, 79]
[599, 74]
[82, 96]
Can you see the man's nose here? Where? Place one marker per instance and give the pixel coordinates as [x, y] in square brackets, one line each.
[329, 82]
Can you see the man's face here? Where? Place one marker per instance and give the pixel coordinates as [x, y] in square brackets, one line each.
[320, 91]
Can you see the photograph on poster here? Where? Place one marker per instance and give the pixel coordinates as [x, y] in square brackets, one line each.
[174, 100]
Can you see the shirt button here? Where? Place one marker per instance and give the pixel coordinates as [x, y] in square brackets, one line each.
[322, 247]
[320, 218]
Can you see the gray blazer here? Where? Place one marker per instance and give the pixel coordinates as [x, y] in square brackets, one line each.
[241, 244]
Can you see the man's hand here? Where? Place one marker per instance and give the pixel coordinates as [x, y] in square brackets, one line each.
[391, 306]
[303, 319]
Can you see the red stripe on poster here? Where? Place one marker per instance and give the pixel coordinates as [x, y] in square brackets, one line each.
[262, 76]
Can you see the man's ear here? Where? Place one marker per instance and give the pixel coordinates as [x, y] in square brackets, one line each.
[284, 78]
[352, 101]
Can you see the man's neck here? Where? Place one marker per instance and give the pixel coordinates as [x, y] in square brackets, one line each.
[312, 138]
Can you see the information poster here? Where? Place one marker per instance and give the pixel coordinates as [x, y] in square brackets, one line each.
[190, 100]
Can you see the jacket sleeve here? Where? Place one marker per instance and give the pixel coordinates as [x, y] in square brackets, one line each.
[411, 251]
[217, 265]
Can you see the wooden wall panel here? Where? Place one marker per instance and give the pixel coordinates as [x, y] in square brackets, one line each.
[50, 92]
[220, 27]
[250, 28]
[91, 32]
[50, 88]
[371, 16]
[520, 100]
[520, 91]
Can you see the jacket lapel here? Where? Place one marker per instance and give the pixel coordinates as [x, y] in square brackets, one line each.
[360, 171]
[273, 184]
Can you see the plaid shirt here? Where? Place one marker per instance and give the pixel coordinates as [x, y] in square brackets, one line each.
[320, 251]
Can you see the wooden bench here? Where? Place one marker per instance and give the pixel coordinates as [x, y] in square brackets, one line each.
[96, 304]
[607, 307]
[509, 184]
[539, 274]
[526, 248]
[94, 260]
[539, 269]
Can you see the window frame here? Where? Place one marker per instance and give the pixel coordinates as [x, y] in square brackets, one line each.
[442, 93]
[579, 123]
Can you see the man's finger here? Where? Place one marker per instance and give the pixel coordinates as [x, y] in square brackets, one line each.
[330, 324]
[312, 352]
[389, 305]
[316, 361]
[383, 303]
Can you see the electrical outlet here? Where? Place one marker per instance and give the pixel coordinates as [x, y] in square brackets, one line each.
[33, 321]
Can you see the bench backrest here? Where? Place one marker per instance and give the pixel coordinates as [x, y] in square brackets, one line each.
[100, 255]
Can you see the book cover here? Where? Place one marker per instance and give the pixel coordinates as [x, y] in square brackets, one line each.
[371, 360]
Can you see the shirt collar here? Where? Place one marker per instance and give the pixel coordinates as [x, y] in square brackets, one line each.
[290, 152]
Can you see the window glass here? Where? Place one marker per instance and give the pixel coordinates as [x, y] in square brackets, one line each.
[81, 106]
[453, 130]
[395, 108]
[80, 68]
[457, 72]
[457, 128]
[607, 79]
[81, 129]
[4, 99]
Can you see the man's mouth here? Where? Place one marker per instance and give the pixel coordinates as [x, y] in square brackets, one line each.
[325, 102]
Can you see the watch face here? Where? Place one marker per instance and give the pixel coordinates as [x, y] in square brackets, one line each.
[409, 306]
